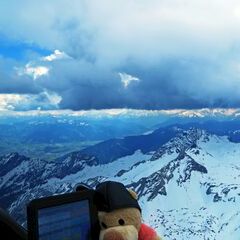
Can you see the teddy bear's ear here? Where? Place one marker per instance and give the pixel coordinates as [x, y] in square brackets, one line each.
[133, 194]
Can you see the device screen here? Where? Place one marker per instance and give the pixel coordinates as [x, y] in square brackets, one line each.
[69, 221]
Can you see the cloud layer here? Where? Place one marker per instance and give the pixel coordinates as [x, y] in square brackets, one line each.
[26, 102]
[134, 54]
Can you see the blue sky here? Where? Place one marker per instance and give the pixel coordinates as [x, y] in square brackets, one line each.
[20, 50]
[106, 54]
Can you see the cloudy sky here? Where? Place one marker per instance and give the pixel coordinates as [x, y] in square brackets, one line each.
[91, 54]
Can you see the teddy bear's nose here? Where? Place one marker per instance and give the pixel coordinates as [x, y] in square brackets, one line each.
[113, 235]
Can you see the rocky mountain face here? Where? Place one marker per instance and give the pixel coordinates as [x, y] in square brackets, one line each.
[188, 181]
[20, 175]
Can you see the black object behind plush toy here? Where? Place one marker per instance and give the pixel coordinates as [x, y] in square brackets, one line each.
[114, 195]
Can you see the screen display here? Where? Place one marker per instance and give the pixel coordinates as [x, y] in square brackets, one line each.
[69, 221]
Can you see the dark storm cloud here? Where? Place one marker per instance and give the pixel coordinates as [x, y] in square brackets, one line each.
[178, 53]
[166, 85]
[11, 82]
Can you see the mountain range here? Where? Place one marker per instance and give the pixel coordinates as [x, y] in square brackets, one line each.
[186, 176]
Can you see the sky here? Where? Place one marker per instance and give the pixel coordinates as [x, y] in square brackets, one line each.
[137, 54]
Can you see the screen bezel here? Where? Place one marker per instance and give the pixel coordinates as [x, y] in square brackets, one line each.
[41, 203]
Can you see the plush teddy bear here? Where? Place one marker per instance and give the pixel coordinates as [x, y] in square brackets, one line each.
[120, 214]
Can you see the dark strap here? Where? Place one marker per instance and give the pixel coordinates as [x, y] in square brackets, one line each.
[10, 229]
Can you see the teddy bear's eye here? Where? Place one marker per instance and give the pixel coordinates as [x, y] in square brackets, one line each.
[121, 221]
[103, 225]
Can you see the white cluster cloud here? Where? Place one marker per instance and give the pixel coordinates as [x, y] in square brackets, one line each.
[21, 102]
[36, 69]
[35, 72]
[126, 79]
[56, 56]
[7, 101]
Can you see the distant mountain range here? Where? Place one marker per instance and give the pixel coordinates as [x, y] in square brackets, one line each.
[186, 176]
[52, 127]
[63, 130]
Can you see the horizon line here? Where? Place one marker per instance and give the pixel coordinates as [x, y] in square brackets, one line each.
[124, 111]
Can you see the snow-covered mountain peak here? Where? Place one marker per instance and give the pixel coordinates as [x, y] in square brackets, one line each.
[181, 143]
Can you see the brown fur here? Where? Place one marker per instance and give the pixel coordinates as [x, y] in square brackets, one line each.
[131, 216]
[119, 233]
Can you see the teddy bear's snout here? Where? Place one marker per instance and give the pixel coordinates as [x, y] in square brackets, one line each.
[128, 232]
[113, 235]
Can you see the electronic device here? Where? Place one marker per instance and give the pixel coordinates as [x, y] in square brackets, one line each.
[71, 216]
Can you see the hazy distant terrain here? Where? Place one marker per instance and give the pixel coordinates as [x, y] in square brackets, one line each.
[51, 136]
